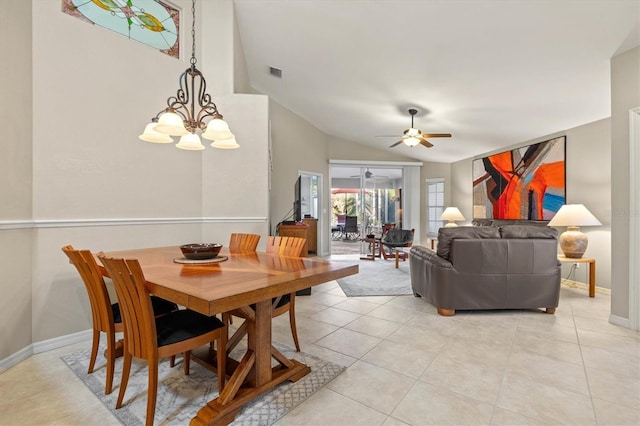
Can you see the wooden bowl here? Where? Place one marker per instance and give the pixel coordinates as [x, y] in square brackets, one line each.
[199, 251]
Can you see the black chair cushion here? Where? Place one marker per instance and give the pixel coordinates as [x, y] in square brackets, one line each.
[182, 325]
[160, 307]
[286, 298]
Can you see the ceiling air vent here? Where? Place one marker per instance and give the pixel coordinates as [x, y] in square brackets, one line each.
[276, 72]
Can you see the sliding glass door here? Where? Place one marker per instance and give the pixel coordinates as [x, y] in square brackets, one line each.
[373, 194]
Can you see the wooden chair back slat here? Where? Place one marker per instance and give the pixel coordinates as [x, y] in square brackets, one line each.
[135, 306]
[286, 246]
[87, 267]
[244, 242]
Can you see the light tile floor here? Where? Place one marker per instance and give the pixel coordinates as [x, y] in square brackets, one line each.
[409, 366]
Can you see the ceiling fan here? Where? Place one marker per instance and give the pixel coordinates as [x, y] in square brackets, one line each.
[368, 174]
[413, 136]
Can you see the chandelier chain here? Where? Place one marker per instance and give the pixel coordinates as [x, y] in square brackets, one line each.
[193, 33]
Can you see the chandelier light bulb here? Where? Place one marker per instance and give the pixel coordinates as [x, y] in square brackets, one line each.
[172, 124]
[217, 129]
[150, 135]
[229, 143]
[190, 142]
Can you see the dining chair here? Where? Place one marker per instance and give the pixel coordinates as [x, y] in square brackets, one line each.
[107, 317]
[244, 242]
[282, 246]
[241, 242]
[149, 338]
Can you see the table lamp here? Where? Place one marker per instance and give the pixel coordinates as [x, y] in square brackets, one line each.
[573, 242]
[451, 214]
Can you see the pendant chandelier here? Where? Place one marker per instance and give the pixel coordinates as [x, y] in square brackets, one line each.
[180, 117]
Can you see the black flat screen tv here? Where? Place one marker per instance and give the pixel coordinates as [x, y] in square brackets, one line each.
[297, 200]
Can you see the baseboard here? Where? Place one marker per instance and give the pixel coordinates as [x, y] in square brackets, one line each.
[578, 284]
[15, 358]
[44, 346]
[622, 322]
[62, 341]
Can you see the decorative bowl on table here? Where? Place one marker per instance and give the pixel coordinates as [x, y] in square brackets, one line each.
[199, 251]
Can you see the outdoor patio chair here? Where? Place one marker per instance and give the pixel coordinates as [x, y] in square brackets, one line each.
[337, 231]
[351, 231]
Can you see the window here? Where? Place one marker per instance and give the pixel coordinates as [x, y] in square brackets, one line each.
[435, 205]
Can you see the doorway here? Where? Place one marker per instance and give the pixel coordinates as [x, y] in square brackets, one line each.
[311, 196]
[372, 193]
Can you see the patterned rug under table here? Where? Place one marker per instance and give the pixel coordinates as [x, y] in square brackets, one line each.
[180, 397]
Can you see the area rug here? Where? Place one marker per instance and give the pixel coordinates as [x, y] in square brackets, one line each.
[378, 278]
[180, 397]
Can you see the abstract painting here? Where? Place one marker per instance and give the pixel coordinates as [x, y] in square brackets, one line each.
[152, 22]
[523, 183]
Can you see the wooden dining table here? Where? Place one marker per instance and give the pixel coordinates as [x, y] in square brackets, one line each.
[240, 280]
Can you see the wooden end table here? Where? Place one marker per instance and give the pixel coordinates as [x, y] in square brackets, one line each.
[592, 270]
[374, 244]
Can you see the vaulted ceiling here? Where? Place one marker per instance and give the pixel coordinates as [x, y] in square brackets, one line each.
[492, 73]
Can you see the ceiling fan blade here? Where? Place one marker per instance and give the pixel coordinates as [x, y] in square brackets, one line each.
[396, 144]
[426, 143]
[436, 135]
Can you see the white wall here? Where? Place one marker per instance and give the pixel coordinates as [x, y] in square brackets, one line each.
[15, 177]
[625, 95]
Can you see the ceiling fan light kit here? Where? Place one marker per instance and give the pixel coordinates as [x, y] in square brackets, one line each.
[413, 136]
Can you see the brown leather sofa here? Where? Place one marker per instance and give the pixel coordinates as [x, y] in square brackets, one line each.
[488, 267]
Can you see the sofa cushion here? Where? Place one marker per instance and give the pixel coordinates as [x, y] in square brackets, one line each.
[446, 235]
[504, 222]
[527, 231]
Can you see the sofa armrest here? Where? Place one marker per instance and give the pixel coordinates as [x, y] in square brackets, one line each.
[429, 256]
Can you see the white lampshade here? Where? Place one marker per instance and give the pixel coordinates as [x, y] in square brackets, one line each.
[411, 141]
[574, 215]
[150, 135]
[217, 129]
[190, 142]
[573, 242]
[172, 124]
[226, 143]
[451, 214]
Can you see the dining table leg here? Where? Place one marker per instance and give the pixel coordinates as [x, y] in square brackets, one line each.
[254, 375]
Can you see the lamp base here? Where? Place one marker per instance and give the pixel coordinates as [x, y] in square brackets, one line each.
[450, 224]
[573, 243]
